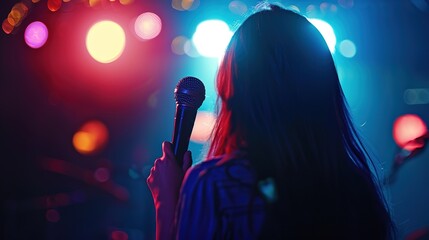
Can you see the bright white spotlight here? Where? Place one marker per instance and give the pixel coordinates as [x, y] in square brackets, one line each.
[327, 32]
[105, 41]
[211, 38]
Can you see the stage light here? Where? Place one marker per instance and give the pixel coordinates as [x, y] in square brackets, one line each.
[416, 96]
[126, 2]
[211, 38]
[190, 4]
[183, 5]
[7, 27]
[327, 32]
[36, 34]
[105, 41]
[204, 123]
[347, 48]
[346, 3]
[93, 3]
[237, 7]
[91, 137]
[148, 25]
[17, 14]
[178, 45]
[407, 128]
[190, 49]
[54, 5]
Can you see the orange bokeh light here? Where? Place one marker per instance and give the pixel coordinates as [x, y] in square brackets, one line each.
[7, 27]
[407, 128]
[91, 137]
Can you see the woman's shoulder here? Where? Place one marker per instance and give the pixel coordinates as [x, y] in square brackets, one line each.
[220, 169]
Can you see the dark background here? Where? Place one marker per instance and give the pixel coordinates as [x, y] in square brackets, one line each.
[46, 95]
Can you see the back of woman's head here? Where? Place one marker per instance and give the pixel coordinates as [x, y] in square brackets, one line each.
[277, 83]
[282, 103]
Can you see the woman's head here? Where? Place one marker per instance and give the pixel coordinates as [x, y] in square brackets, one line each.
[277, 79]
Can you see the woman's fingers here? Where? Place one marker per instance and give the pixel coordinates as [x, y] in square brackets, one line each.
[187, 161]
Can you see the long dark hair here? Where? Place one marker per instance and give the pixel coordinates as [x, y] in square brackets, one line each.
[281, 102]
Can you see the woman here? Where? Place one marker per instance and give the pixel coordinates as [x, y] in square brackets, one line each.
[285, 159]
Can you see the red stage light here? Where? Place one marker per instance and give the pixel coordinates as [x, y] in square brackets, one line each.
[54, 5]
[7, 27]
[406, 129]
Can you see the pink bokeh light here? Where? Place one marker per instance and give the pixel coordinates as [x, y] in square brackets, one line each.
[148, 25]
[36, 34]
[406, 129]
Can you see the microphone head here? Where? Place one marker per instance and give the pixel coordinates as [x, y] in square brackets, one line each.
[190, 92]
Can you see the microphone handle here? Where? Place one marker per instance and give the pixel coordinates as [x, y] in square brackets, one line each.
[183, 124]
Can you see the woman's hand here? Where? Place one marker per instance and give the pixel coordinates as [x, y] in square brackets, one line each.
[164, 181]
[166, 177]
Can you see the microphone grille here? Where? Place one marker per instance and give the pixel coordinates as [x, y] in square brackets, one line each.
[190, 91]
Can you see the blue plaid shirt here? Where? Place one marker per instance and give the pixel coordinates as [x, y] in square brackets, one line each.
[219, 200]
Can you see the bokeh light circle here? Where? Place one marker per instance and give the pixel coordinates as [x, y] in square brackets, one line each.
[190, 49]
[91, 137]
[54, 5]
[7, 27]
[327, 32]
[105, 41]
[148, 25]
[238, 7]
[407, 128]
[347, 48]
[416, 96]
[211, 38]
[36, 34]
[178, 45]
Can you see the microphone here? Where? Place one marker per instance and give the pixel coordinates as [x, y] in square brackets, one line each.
[189, 94]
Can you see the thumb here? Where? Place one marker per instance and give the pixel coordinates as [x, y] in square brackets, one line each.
[187, 161]
[167, 150]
